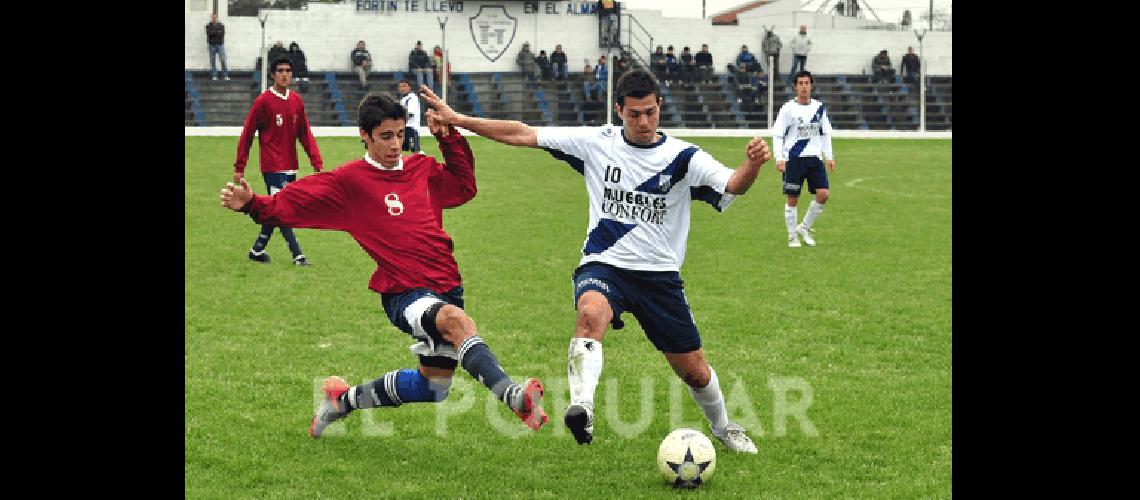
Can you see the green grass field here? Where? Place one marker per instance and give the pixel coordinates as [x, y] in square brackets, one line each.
[861, 324]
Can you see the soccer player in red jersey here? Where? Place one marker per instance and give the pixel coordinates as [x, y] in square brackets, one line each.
[278, 117]
[392, 205]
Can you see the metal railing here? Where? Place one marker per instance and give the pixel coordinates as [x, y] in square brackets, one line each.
[641, 36]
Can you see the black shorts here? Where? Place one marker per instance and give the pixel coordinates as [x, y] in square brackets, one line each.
[655, 298]
[804, 167]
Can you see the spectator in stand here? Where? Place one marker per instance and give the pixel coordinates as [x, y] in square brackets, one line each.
[419, 62]
[686, 66]
[771, 48]
[558, 62]
[609, 17]
[594, 85]
[216, 39]
[745, 86]
[657, 64]
[704, 63]
[910, 66]
[801, 45]
[746, 60]
[881, 63]
[277, 51]
[543, 64]
[361, 63]
[437, 65]
[300, 69]
[621, 66]
[671, 65]
[526, 60]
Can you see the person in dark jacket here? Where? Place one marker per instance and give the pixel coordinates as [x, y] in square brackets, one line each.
[543, 63]
[300, 69]
[910, 66]
[361, 63]
[216, 39]
[704, 63]
[881, 63]
[419, 62]
[558, 62]
[276, 52]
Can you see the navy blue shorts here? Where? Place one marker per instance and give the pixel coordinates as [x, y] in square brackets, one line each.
[805, 167]
[655, 298]
[276, 181]
[411, 140]
[395, 303]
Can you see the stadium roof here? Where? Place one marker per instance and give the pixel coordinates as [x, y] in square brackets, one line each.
[728, 17]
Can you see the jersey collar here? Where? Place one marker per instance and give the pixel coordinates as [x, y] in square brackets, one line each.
[636, 145]
[286, 96]
[374, 163]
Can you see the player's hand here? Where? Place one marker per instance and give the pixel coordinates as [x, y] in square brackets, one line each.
[237, 177]
[234, 197]
[780, 165]
[757, 152]
[435, 125]
[444, 113]
[831, 165]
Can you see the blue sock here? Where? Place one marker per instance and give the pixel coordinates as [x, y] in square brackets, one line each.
[396, 388]
[481, 363]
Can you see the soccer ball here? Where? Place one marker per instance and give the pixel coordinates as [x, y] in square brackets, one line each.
[686, 458]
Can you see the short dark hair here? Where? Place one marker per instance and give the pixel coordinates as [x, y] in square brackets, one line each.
[637, 83]
[281, 60]
[404, 80]
[804, 73]
[377, 107]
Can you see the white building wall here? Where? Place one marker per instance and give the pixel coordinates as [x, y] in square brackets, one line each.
[328, 33]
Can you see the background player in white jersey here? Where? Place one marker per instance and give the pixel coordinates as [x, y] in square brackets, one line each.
[802, 132]
[641, 184]
[411, 103]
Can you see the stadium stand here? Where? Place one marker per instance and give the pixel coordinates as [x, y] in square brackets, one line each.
[854, 102]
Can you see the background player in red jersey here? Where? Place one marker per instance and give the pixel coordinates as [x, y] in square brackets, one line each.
[278, 116]
[393, 207]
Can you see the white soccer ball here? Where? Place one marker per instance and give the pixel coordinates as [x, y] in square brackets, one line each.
[686, 458]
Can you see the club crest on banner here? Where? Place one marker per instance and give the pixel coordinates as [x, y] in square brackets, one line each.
[493, 30]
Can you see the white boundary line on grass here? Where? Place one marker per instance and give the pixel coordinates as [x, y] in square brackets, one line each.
[235, 131]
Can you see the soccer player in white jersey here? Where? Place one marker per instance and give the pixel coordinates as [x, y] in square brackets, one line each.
[802, 132]
[411, 103]
[641, 184]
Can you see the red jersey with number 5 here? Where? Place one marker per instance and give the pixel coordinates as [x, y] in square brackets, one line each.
[395, 215]
[279, 120]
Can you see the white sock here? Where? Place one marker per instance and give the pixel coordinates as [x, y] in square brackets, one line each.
[790, 215]
[711, 402]
[584, 369]
[813, 211]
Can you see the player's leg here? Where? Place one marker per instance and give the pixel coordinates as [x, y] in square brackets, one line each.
[664, 314]
[704, 386]
[452, 325]
[598, 301]
[817, 185]
[429, 383]
[279, 182]
[257, 252]
[792, 182]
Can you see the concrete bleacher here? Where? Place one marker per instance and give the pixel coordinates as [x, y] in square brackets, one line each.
[854, 102]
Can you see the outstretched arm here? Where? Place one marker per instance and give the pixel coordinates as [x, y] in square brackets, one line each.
[756, 153]
[510, 132]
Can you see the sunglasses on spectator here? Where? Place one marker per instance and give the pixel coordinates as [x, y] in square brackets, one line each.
[284, 70]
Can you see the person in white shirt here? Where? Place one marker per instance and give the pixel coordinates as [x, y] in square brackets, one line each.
[801, 45]
[800, 134]
[411, 103]
[641, 184]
